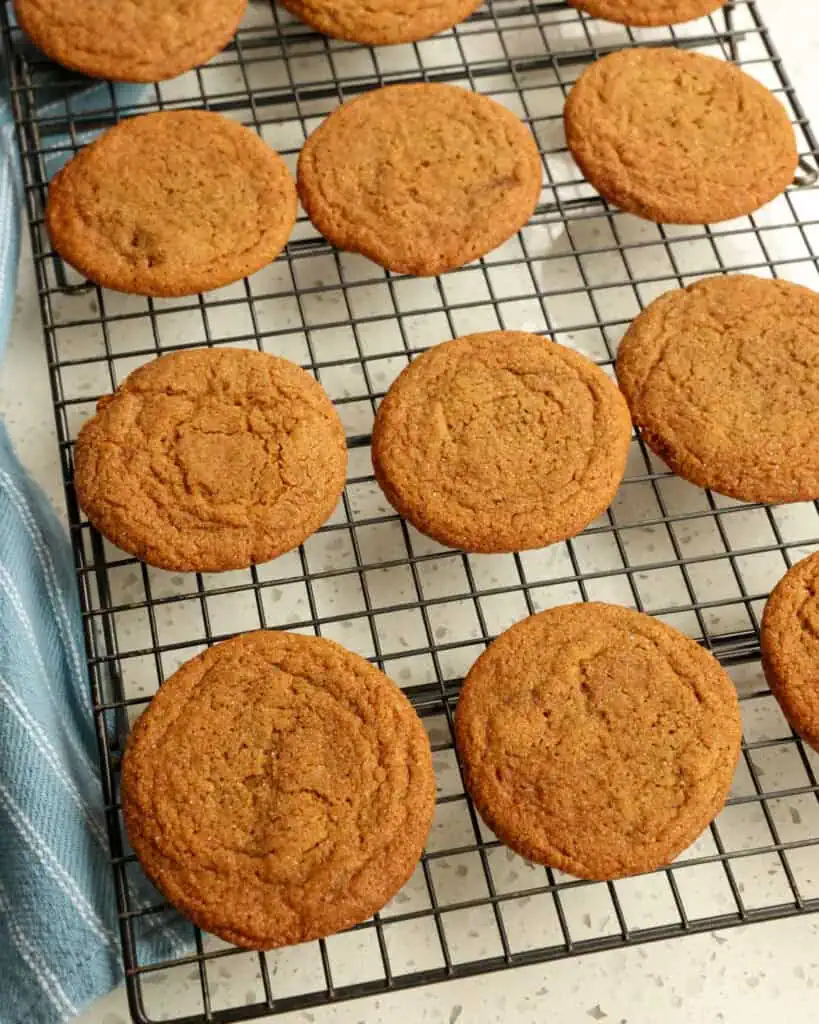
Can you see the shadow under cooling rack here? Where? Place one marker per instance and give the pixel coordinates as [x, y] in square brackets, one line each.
[580, 271]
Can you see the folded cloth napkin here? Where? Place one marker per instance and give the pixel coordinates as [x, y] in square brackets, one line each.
[59, 945]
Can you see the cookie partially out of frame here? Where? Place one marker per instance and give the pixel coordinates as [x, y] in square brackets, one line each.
[678, 137]
[278, 788]
[211, 459]
[420, 178]
[172, 203]
[381, 22]
[501, 441]
[648, 12]
[597, 740]
[130, 40]
[721, 378]
[790, 647]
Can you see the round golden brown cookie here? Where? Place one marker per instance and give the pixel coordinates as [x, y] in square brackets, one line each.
[597, 740]
[130, 40]
[790, 647]
[501, 442]
[172, 203]
[211, 459]
[381, 22]
[722, 378]
[420, 178]
[678, 137]
[278, 789]
[648, 12]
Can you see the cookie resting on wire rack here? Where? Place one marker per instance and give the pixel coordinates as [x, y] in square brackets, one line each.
[381, 22]
[278, 788]
[721, 379]
[420, 178]
[211, 459]
[172, 203]
[597, 740]
[503, 441]
[648, 12]
[677, 137]
[790, 647]
[133, 41]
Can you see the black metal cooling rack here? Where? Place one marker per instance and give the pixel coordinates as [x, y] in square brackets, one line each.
[580, 271]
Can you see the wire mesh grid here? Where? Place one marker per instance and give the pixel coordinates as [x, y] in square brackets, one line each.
[579, 272]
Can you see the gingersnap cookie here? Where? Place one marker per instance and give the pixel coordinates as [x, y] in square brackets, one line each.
[278, 789]
[420, 178]
[647, 12]
[790, 647]
[677, 137]
[381, 22]
[211, 459]
[130, 40]
[501, 441]
[172, 203]
[721, 378]
[597, 740]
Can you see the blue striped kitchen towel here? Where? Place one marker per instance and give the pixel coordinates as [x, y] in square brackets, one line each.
[59, 945]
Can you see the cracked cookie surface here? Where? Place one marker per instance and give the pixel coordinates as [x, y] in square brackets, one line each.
[130, 40]
[501, 441]
[420, 178]
[172, 203]
[381, 22]
[648, 12]
[722, 378]
[678, 137]
[597, 740]
[211, 459]
[790, 647]
[278, 788]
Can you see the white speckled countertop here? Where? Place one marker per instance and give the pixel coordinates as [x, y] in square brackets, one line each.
[741, 976]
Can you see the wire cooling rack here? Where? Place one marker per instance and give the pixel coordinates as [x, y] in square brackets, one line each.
[579, 272]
